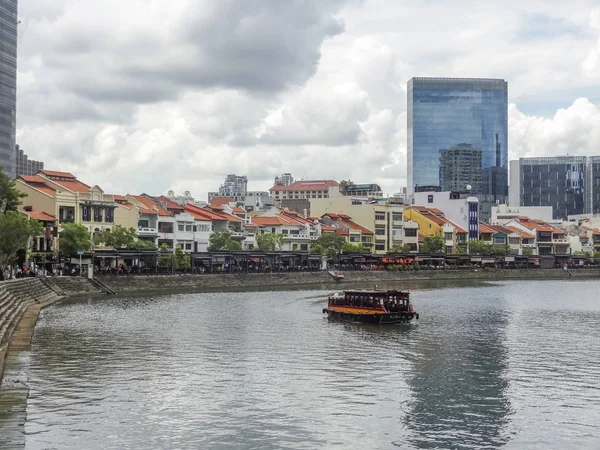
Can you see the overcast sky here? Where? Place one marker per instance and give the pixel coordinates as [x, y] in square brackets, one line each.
[150, 95]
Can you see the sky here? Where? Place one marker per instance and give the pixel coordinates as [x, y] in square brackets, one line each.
[143, 96]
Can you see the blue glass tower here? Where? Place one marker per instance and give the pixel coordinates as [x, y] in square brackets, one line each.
[8, 84]
[447, 112]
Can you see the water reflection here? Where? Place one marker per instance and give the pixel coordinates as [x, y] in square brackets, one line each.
[459, 378]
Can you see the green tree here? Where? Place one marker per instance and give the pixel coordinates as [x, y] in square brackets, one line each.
[479, 247]
[527, 251]
[433, 244]
[74, 237]
[269, 241]
[119, 237]
[9, 192]
[400, 249]
[317, 249]
[330, 240]
[501, 249]
[182, 259]
[222, 240]
[165, 258]
[350, 247]
[140, 243]
[331, 254]
[15, 231]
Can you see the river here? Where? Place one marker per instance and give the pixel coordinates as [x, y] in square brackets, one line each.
[506, 364]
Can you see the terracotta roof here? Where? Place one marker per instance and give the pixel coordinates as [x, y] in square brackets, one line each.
[40, 216]
[238, 210]
[201, 213]
[152, 205]
[457, 228]
[148, 211]
[73, 186]
[222, 214]
[306, 185]
[328, 228]
[55, 173]
[358, 227]
[220, 201]
[538, 225]
[483, 228]
[595, 231]
[170, 203]
[336, 216]
[38, 183]
[120, 198]
[521, 233]
[273, 220]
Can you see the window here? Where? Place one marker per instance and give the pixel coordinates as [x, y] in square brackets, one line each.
[447, 236]
[142, 223]
[188, 227]
[397, 217]
[380, 232]
[85, 213]
[304, 247]
[188, 246]
[380, 247]
[410, 232]
[97, 214]
[379, 216]
[109, 215]
[180, 227]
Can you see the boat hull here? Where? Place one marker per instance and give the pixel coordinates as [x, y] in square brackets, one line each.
[380, 318]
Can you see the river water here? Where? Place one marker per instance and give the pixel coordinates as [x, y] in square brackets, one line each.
[508, 364]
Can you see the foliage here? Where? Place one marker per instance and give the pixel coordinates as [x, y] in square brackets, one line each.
[9, 192]
[182, 259]
[329, 241]
[15, 231]
[331, 254]
[433, 244]
[121, 237]
[479, 247]
[400, 249]
[318, 249]
[74, 237]
[527, 251]
[222, 240]
[350, 247]
[165, 259]
[269, 241]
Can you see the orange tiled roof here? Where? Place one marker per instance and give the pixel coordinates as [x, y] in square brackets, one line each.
[273, 220]
[152, 205]
[38, 183]
[222, 214]
[220, 201]
[55, 173]
[519, 232]
[40, 216]
[238, 210]
[483, 228]
[358, 227]
[306, 185]
[73, 186]
[170, 203]
[148, 211]
[457, 228]
[201, 213]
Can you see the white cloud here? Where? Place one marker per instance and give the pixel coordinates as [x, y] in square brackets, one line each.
[147, 96]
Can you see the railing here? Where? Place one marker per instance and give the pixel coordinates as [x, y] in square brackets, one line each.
[560, 241]
[147, 230]
[528, 245]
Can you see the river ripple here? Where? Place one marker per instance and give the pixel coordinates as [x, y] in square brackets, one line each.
[513, 364]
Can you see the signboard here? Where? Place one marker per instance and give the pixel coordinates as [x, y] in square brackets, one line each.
[80, 252]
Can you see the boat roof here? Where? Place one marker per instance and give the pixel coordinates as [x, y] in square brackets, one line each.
[375, 291]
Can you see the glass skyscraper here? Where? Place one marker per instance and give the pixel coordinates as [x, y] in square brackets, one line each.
[444, 113]
[8, 84]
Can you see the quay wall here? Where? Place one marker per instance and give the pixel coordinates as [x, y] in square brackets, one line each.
[224, 282]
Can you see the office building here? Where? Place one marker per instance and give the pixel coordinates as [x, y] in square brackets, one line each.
[460, 167]
[8, 85]
[285, 179]
[445, 113]
[569, 184]
[234, 186]
[26, 166]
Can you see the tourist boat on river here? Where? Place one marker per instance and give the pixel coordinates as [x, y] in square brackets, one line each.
[371, 306]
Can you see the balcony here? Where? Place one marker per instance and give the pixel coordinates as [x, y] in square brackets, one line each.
[528, 245]
[560, 241]
[147, 231]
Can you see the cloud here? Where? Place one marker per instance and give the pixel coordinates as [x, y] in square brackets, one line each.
[574, 130]
[145, 96]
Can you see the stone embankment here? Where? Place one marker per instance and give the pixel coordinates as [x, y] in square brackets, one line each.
[20, 303]
[140, 283]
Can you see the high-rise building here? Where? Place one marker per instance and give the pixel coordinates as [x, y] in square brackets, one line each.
[460, 168]
[285, 179]
[8, 84]
[26, 166]
[570, 184]
[446, 112]
[234, 187]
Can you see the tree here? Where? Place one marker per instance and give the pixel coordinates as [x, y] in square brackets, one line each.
[527, 251]
[15, 231]
[331, 254]
[73, 238]
[269, 241]
[119, 237]
[9, 192]
[143, 244]
[222, 240]
[165, 259]
[479, 247]
[350, 247]
[433, 244]
[401, 249]
[330, 240]
[182, 259]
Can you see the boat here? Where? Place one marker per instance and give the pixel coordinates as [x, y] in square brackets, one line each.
[336, 275]
[377, 306]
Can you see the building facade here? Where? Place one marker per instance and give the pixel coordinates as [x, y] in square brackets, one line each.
[446, 112]
[8, 85]
[460, 167]
[26, 166]
[284, 179]
[234, 186]
[305, 189]
[569, 184]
